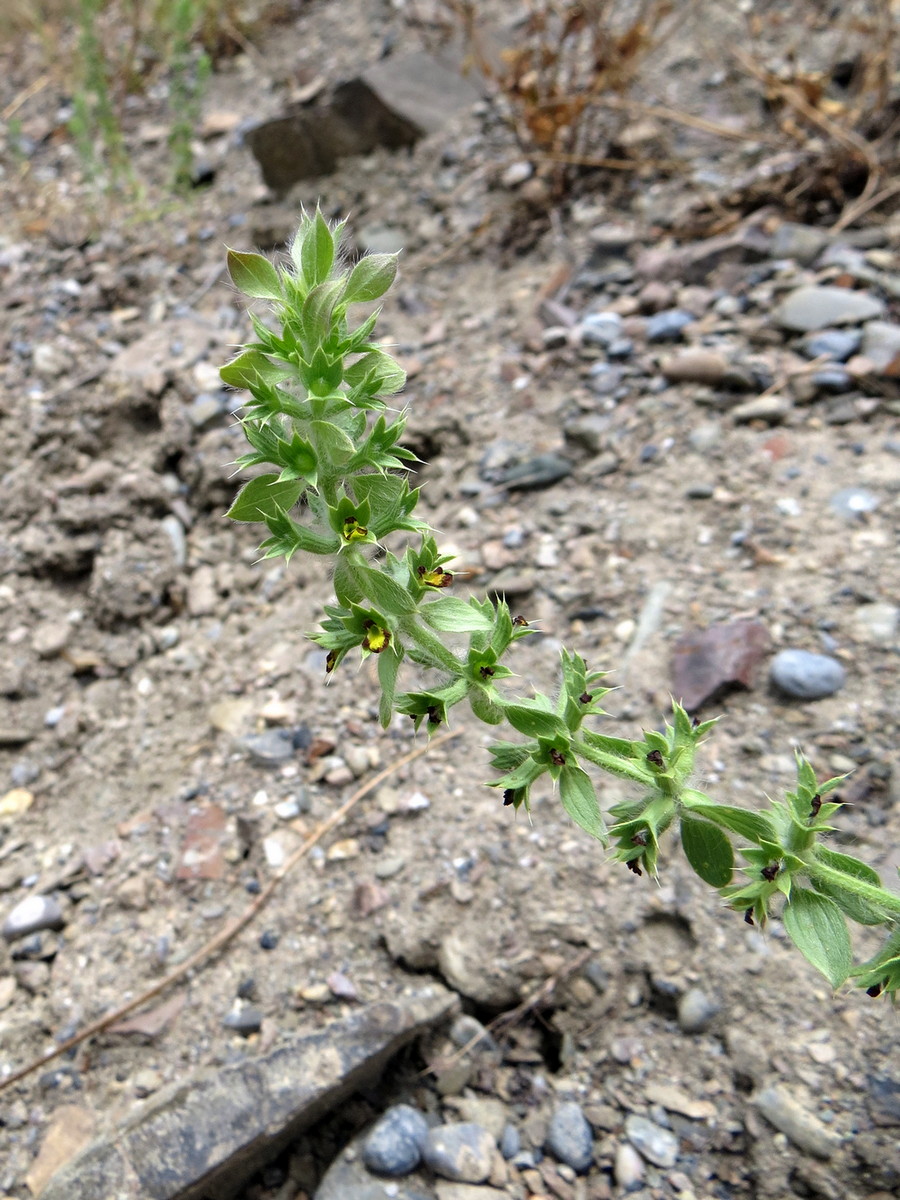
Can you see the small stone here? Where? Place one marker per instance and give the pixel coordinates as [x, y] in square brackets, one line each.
[705, 437]
[803, 243]
[516, 174]
[876, 623]
[604, 378]
[50, 637]
[491, 1114]
[839, 344]
[202, 593]
[463, 1153]
[833, 382]
[804, 675]
[271, 748]
[599, 329]
[31, 915]
[695, 366]
[803, 1128]
[816, 307]
[881, 345]
[16, 802]
[657, 1145]
[771, 409]
[628, 1167]
[570, 1138]
[394, 1144]
[853, 502]
[468, 1032]
[50, 360]
[695, 1011]
[245, 1021]
[668, 325]
[510, 1141]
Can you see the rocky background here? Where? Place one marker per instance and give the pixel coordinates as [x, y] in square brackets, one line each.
[672, 443]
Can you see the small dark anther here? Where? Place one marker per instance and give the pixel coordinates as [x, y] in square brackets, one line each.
[557, 758]
[770, 871]
[640, 838]
[815, 805]
[585, 698]
[656, 758]
[748, 916]
[875, 990]
[632, 865]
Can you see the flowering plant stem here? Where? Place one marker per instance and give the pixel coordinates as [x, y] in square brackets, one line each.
[315, 411]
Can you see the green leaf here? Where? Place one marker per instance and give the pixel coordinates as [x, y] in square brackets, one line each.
[371, 277]
[754, 826]
[332, 444]
[579, 799]
[708, 851]
[817, 928]
[264, 497]
[317, 251]
[378, 371]
[384, 592]
[388, 666]
[533, 721]
[251, 368]
[855, 907]
[254, 275]
[450, 614]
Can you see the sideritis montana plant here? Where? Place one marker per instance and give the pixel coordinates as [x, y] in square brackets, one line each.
[315, 413]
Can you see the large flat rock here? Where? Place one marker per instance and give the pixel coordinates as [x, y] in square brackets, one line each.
[390, 104]
[206, 1136]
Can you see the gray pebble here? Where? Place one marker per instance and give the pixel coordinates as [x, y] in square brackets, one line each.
[603, 378]
[463, 1153]
[469, 1032]
[833, 382]
[853, 502]
[245, 1021]
[270, 748]
[816, 307]
[655, 1144]
[628, 1168]
[838, 344]
[570, 1138]
[31, 915]
[600, 328]
[805, 675]
[510, 1142]
[787, 1114]
[695, 1011]
[394, 1144]
[881, 343]
[668, 326]
[877, 623]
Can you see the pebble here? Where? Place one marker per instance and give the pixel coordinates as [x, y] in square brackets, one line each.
[604, 378]
[668, 325]
[628, 1168]
[695, 1011]
[803, 243]
[469, 1032]
[696, 365]
[245, 1021]
[657, 1145]
[853, 502]
[510, 1142]
[705, 436]
[803, 1128]
[570, 1138]
[772, 409]
[271, 748]
[805, 675]
[839, 344]
[817, 306]
[516, 174]
[31, 915]
[833, 382]
[876, 623]
[394, 1144]
[881, 343]
[600, 329]
[463, 1153]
